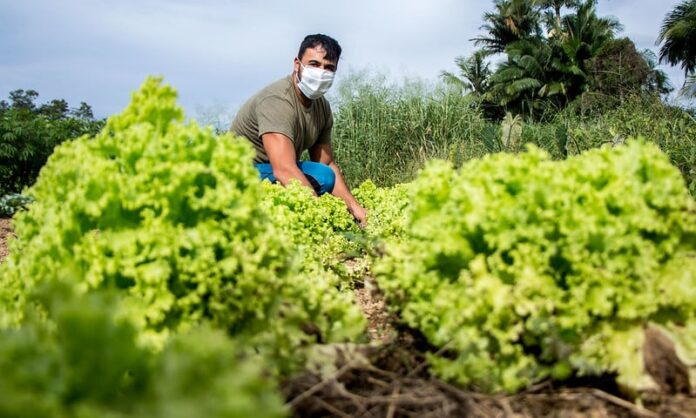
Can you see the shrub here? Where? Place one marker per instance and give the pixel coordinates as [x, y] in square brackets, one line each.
[29, 133]
[11, 203]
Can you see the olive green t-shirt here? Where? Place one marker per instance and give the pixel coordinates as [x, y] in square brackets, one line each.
[277, 108]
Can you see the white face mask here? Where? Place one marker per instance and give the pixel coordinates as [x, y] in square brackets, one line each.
[315, 82]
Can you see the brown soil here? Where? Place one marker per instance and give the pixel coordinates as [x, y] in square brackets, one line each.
[392, 381]
[5, 232]
[371, 301]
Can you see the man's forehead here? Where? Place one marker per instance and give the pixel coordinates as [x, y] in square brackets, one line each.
[315, 53]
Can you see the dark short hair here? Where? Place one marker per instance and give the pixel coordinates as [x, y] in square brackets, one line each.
[333, 49]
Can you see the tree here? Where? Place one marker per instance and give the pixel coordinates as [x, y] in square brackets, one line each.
[617, 71]
[657, 80]
[474, 73]
[586, 28]
[54, 110]
[553, 17]
[678, 37]
[28, 134]
[21, 99]
[547, 59]
[516, 83]
[513, 20]
[83, 112]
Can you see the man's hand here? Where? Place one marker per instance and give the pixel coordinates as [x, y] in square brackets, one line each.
[360, 215]
[323, 153]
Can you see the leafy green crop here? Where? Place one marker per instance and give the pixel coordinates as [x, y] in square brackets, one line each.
[519, 267]
[171, 214]
[386, 208]
[319, 229]
[86, 363]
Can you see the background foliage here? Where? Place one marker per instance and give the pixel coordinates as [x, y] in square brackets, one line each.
[29, 132]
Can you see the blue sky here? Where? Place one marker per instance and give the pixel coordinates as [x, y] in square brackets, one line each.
[217, 53]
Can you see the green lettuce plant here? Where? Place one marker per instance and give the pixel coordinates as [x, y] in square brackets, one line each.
[172, 215]
[86, 362]
[519, 268]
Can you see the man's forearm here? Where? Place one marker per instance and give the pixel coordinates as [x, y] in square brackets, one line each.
[341, 190]
[286, 174]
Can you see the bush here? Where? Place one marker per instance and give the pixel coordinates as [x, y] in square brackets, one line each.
[519, 268]
[11, 203]
[28, 135]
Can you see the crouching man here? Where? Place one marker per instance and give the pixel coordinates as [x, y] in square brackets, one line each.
[292, 115]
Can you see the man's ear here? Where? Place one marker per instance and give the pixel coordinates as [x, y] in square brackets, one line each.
[296, 65]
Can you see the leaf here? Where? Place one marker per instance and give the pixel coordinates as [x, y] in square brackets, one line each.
[511, 130]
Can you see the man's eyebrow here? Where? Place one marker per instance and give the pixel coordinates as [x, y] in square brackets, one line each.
[329, 65]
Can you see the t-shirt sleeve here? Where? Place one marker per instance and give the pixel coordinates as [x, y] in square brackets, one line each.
[325, 135]
[275, 114]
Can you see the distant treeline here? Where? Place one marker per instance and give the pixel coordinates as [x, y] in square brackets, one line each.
[29, 132]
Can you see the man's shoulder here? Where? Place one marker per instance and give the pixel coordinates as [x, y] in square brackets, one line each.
[281, 88]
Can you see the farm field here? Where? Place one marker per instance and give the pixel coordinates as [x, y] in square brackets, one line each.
[390, 382]
[514, 284]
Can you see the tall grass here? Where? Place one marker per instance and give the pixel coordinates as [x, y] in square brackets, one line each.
[387, 131]
[673, 129]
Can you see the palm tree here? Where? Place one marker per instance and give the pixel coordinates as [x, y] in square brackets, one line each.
[657, 80]
[584, 26]
[538, 69]
[519, 82]
[512, 21]
[555, 14]
[474, 73]
[678, 37]
[583, 34]
[689, 88]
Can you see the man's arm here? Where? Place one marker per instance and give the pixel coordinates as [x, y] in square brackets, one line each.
[323, 153]
[281, 155]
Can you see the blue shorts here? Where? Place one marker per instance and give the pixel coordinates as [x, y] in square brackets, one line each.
[321, 176]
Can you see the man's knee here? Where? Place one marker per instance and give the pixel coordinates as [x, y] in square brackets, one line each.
[322, 174]
[329, 180]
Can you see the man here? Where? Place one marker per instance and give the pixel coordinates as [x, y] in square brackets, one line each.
[292, 115]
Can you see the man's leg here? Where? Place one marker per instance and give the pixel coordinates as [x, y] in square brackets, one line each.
[265, 171]
[320, 176]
